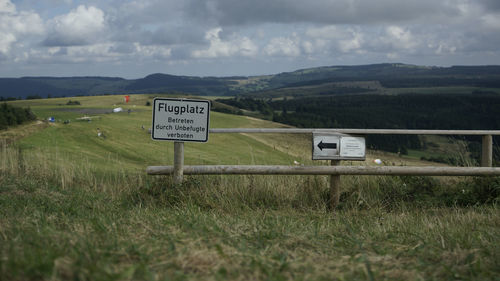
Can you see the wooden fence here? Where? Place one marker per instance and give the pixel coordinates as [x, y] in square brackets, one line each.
[335, 170]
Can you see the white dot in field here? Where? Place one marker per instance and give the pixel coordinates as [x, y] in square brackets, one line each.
[377, 161]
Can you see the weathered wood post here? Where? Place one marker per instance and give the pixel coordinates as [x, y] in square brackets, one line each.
[334, 187]
[180, 120]
[336, 147]
[178, 172]
[487, 151]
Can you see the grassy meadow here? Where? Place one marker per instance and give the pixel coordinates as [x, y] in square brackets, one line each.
[74, 206]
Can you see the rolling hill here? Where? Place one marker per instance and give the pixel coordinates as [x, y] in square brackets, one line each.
[376, 78]
[128, 146]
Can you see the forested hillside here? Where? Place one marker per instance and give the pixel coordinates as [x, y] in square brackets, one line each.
[410, 111]
[319, 81]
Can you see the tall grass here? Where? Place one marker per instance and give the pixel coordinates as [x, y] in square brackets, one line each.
[65, 170]
[248, 192]
[61, 219]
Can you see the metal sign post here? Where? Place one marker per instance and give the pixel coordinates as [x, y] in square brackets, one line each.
[180, 120]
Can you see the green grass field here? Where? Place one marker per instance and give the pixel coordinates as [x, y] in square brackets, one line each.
[129, 146]
[74, 206]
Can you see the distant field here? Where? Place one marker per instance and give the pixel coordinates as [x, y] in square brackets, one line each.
[75, 206]
[128, 146]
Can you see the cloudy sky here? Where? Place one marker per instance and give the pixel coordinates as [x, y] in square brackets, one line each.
[132, 39]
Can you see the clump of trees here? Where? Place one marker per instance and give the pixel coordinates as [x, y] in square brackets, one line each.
[12, 116]
[7, 98]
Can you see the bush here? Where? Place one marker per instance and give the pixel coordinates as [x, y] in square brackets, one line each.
[476, 191]
[12, 116]
[420, 191]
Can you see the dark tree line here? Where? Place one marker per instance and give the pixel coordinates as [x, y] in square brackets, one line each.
[12, 116]
[412, 82]
[411, 111]
[249, 104]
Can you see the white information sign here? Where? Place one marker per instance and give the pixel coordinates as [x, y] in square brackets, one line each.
[352, 147]
[180, 120]
[338, 147]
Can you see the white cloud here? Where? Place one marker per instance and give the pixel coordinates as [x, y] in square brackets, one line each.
[6, 39]
[392, 56]
[283, 46]
[445, 48]
[352, 43]
[14, 25]
[81, 26]
[96, 53]
[399, 38]
[491, 21]
[331, 32]
[7, 7]
[345, 39]
[150, 32]
[100, 52]
[155, 51]
[308, 47]
[235, 46]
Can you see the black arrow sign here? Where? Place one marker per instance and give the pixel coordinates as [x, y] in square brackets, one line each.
[326, 145]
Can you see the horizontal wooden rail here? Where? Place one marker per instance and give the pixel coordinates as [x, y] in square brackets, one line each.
[336, 146]
[335, 170]
[356, 131]
[326, 170]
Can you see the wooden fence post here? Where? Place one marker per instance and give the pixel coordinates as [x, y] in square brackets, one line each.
[178, 172]
[487, 151]
[334, 187]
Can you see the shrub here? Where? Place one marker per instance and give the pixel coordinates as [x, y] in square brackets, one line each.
[12, 116]
[476, 191]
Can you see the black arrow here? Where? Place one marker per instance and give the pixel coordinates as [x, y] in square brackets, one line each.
[326, 145]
